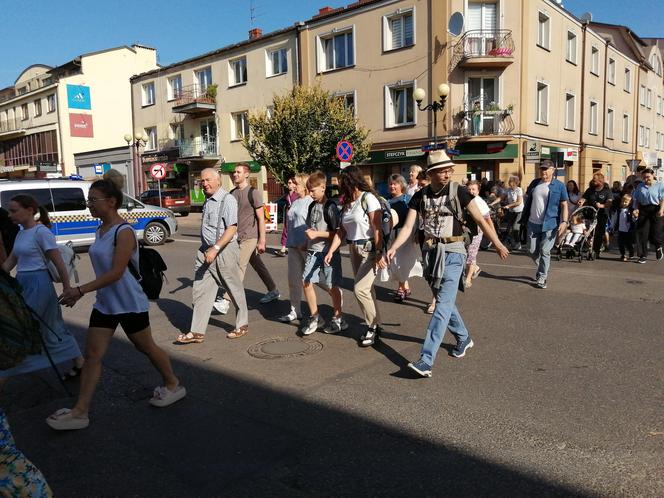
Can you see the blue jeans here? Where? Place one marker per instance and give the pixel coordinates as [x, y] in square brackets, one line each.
[539, 247]
[446, 315]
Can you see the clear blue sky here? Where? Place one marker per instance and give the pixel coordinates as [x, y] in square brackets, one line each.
[55, 31]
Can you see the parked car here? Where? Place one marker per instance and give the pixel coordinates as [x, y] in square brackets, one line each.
[177, 200]
[71, 219]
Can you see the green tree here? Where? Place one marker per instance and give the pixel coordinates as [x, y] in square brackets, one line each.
[302, 133]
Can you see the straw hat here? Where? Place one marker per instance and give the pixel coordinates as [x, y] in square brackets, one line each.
[438, 159]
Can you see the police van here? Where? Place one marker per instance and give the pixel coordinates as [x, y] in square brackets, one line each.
[65, 201]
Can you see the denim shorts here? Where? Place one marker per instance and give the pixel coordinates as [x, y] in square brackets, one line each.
[316, 271]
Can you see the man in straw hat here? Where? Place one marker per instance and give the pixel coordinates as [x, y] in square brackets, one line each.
[443, 205]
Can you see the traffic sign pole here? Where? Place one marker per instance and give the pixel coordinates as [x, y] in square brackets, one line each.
[159, 187]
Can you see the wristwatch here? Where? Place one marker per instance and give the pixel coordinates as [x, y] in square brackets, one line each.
[217, 247]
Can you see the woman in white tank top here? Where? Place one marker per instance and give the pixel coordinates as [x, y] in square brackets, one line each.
[120, 301]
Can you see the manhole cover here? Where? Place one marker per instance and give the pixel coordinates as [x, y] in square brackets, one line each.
[284, 347]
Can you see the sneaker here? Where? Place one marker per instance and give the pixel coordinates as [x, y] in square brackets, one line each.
[460, 349]
[222, 306]
[541, 282]
[290, 317]
[270, 296]
[659, 254]
[642, 261]
[335, 326]
[369, 337]
[315, 323]
[422, 368]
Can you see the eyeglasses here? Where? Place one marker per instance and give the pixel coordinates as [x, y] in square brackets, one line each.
[92, 200]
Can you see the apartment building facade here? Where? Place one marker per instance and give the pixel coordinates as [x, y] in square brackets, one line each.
[194, 113]
[53, 119]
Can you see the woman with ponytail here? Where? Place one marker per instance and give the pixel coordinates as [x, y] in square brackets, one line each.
[120, 300]
[35, 246]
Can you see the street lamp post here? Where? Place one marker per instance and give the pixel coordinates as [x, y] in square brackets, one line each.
[437, 105]
[134, 173]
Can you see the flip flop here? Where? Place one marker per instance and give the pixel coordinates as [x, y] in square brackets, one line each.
[163, 396]
[63, 420]
[190, 338]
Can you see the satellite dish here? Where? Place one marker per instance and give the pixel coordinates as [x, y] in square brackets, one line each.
[586, 17]
[455, 26]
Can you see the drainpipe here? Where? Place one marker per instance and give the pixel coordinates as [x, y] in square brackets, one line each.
[522, 116]
[298, 53]
[637, 93]
[582, 146]
[606, 82]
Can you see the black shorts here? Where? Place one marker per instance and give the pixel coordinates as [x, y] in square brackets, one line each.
[131, 322]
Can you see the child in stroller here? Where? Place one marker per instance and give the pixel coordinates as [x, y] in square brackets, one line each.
[577, 242]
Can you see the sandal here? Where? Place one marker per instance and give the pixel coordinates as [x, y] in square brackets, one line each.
[400, 295]
[63, 420]
[73, 373]
[237, 333]
[163, 396]
[431, 308]
[477, 271]
[190, 338]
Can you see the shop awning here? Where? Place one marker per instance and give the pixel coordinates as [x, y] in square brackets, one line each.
[477, 151]
[254, 167]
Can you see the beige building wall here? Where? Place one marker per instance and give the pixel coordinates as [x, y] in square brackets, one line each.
[649, 116]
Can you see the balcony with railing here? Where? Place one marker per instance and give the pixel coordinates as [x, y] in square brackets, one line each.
[14, 128]
[480, 121]
[196, 100]
[480, 48]
[198, 148]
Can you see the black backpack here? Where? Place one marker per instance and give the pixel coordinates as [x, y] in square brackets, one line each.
[151, 268]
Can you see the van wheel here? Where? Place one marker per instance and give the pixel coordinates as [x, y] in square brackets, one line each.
[155, 234]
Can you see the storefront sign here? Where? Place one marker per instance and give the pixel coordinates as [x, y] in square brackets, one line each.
[163, 156]
[101, 168]
[80, 125]
[572, 155]
[381, 156]
[78, 97]
[6, 169]
[47, 166]
[533, 150]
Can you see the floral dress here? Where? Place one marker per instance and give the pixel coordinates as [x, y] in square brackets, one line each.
[18, 476]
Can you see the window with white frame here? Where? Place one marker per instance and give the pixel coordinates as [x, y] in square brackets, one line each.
[38, 107]
[594, 60]
[646, 138]
[203, 78]
[269, 111]
[612, 72]
[656, 64]
[277, 61]
[176, 132]
[400, 104]
[609, 124]
[50, 103]
[174, 87]
[543, 30]
[348, 100]
[3, 118]
[25, 112]
[151, 133]
[336, 50]
[238, 71]
[628, 81]
[570, 105]
[659, 105]
[642, 132]
[649, 98]
[240, 125]
[592, 128]
[398, 30]
[642, 95]
[542, 109]
[625, 129]
[571, 47]
[147, 92]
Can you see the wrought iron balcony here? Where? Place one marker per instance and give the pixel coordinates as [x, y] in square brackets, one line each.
[488, 120]
[198, 148]
[480, 48]
[194, 99]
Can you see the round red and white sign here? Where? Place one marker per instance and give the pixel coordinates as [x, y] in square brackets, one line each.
[158, 171]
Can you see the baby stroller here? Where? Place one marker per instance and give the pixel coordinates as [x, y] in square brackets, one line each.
[583, 248]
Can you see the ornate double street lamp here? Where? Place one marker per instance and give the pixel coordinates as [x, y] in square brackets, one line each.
[437, 105]
[134, 176]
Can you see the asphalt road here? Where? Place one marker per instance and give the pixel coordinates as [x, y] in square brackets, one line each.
[561, 395]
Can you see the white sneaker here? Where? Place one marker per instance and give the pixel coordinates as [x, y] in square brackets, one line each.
[222, 306]
[290, 317]
[315, 323]
[270, 296]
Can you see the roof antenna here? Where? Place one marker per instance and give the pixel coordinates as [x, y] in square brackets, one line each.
[252, 14]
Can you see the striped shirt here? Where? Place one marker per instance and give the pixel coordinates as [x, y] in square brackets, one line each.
[219, 212]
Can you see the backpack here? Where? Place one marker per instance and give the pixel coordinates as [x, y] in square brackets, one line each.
[266, 211]
[331, 214]
[151, 268]
[19, 329]
[467, 223]
[385, 216]
[68, 257]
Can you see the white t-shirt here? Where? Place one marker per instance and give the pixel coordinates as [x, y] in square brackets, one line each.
[578, 227]
[31, 246]
[512, 196]
[354, 220]
[540, 196]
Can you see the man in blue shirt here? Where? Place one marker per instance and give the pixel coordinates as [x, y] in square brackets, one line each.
[545, 214]
[649, 210]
